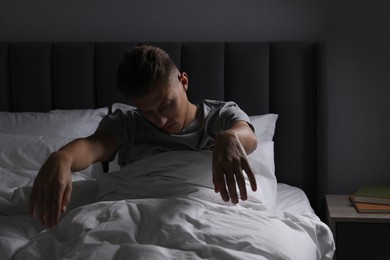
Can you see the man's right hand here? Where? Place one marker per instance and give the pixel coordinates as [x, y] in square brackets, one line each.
[52, 188]
[50, 194]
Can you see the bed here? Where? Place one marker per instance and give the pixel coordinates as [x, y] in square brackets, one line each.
[163, 207]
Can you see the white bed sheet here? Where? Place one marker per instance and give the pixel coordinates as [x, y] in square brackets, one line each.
[292, 199]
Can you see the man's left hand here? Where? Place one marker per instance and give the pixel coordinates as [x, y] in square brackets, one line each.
[229, 162]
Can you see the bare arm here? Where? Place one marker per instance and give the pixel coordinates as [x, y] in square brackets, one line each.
[229, 160]
[52, 187]
[246, 136]
[83, 152]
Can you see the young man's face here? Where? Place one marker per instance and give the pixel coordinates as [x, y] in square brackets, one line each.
[167, 105]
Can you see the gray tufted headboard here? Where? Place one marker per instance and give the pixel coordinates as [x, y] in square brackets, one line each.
[262, 77]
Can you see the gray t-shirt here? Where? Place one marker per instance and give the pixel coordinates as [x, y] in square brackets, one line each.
[139, 138]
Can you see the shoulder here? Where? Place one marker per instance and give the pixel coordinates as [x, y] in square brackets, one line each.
[217, 104]
[226, 113]
[221, 107]
[120, 117]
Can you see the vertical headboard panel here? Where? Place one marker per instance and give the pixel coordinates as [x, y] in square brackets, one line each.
[204, 64]
[4, 92]
[73, 75]
[30, 76]
[262, 77]
[247, 76]
[107, 57]
[294, 78]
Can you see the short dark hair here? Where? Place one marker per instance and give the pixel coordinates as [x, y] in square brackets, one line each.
[143, 68]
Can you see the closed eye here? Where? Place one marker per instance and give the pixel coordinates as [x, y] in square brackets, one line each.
[165, 106]
[144, 112]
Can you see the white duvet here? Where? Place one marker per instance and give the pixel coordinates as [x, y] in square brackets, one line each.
[172, 228]
[162, 207]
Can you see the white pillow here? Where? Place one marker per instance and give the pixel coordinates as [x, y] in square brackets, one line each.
[262, 159]
[121, 106]
[21, 157]
[263, 166]
[29, 152]
[264, 126]
[66, 123]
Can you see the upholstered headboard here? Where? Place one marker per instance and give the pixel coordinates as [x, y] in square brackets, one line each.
[262, 77]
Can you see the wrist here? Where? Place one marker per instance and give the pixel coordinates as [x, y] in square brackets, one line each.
[62, 158]
[227, 134]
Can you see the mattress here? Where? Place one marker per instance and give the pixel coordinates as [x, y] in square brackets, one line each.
[292, 199]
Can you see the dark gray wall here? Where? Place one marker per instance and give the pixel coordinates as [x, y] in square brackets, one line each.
[356, 140]
[97, 20]
[358, 94]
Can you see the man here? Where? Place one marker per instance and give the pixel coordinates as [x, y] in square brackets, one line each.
[164, 120]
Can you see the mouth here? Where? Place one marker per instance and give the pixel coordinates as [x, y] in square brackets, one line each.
[167, 127]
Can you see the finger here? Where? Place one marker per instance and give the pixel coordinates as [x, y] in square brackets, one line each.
[251, 176]
[39, 204]
[240, 181]
[220, 185]
[33, 200]
[241, 184]
[66, 198]
[56, 205]
[222, 189]
[231, 184]
[47, 207]
[215, 182]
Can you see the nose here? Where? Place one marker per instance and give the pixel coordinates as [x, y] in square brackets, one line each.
[159, 120]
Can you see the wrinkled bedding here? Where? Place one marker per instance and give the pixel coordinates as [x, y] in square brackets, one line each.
[168, 211]
[171, 228]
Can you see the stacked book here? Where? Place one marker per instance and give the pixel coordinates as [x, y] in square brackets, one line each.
[372, 199]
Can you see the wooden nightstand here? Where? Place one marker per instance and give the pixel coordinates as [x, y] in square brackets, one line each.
[357, 235]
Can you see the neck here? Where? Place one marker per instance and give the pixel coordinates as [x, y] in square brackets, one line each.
[191, 114]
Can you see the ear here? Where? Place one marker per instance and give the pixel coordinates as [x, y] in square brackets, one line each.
[183, 77]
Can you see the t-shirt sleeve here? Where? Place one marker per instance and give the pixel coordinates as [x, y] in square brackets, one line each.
[113, 124]
[231, 113]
